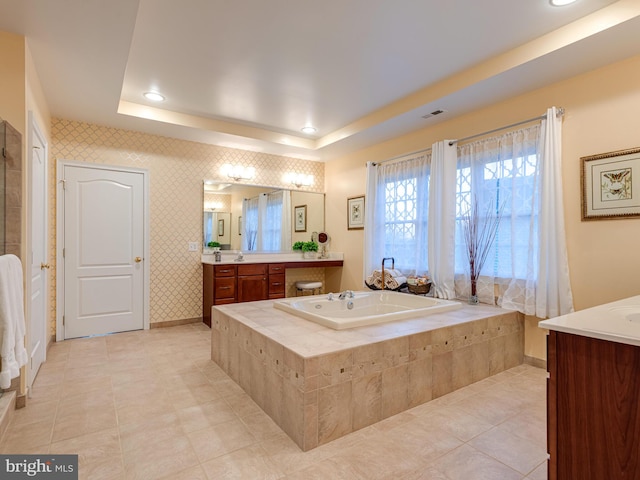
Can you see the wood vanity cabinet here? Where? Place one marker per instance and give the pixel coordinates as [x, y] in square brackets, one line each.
[222, 284]
[253, 282]
[593, 408]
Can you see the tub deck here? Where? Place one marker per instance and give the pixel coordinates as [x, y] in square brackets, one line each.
[319, 384]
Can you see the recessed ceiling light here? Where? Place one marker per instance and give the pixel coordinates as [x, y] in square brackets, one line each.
[560, 3]
[308, 129]
[154, 96]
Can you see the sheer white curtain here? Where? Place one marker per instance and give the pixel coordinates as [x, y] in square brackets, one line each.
[250, 224]
[501, 173]
[442, 215]
[275, 221]
[553, 295]
[519, 174]
[396, 214]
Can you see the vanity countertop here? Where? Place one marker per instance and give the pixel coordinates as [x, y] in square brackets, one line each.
[616, 322]
[229, 256]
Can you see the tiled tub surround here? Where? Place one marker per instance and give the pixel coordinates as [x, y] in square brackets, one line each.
[320, 384]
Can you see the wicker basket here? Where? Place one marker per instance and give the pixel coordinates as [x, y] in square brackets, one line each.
[420, 289]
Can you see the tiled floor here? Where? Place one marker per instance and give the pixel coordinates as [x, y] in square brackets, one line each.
[152, 405]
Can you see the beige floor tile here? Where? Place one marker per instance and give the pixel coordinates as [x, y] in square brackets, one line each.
[83, 422]
[193, 473]
[37, 412]
[426, 473]
[251, 462]
[99, 454]
[27, 436]
[530, 424]
[159, 459]
[138, 435]
[216, 441]
[465, 463]
[513, 451]
[451, 419]
[205, 415]
[261, 425]
[540, 473]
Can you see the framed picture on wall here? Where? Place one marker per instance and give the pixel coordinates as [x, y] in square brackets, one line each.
[221, 228]
[355, 213]
[300, 215]
[611, 185]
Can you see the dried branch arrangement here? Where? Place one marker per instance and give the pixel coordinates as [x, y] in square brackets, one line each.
[479, 232]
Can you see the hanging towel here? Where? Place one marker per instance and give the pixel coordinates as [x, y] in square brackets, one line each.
[12, 327]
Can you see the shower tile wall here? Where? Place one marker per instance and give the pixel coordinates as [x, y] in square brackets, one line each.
[12, 188]
[176, 170]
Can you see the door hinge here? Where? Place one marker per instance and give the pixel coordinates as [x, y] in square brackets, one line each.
[64, 184]
[63, 320]
[4, 153]
[63, 252]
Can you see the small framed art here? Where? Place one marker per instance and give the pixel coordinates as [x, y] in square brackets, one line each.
[355, 213]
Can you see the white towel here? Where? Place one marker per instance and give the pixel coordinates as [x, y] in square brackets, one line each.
[393, 279]
[12, 327]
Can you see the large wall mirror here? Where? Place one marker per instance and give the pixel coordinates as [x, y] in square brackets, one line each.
[223, 220]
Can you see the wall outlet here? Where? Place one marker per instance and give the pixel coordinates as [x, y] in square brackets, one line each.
[193, 246]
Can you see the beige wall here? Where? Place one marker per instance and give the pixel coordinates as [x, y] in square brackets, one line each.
[601, 115]
[21, 93]
[177, 169]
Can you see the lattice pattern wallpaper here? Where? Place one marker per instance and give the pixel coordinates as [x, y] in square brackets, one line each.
[177, 169]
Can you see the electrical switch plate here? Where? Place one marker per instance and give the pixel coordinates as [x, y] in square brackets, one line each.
[193, 246]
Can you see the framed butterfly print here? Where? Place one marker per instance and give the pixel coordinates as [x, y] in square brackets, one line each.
[611, 185]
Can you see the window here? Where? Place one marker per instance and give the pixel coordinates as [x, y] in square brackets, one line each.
[502, 174]
[397, 200]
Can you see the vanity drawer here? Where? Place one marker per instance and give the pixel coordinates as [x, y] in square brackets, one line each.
[225, 288]
[276, 268]
[225, 270]
[276, 286]
[252, 269]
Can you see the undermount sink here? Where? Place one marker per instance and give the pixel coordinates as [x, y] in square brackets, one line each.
[630, 313]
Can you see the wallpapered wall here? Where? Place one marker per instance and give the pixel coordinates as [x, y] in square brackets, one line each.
[177, 169]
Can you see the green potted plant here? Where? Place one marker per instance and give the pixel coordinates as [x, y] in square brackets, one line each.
[309, 249]
[215, 246]
[297, 246]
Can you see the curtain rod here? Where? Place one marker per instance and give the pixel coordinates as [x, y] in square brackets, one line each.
[560, 112]
[398, 157]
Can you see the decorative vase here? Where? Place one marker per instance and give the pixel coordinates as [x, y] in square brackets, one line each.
[309, 255]
[473, 298]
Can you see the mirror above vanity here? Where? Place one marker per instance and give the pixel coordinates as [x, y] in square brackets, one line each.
[223, 220]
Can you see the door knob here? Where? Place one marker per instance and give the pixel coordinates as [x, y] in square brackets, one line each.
[44, 265]
[138, 259]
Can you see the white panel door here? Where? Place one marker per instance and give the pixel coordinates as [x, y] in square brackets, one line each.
[39, 265]
[103, 251]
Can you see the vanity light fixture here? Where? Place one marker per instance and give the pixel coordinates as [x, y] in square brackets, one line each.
[560, 3]
[308, 129]
[238, 172]
[299, 179]
[154, 96]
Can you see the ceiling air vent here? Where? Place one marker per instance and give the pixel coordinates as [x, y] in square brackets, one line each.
[433, 114]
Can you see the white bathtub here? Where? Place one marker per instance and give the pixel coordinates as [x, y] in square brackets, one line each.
[369, 308]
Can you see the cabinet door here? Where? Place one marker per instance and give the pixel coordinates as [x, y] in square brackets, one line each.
[252, 287]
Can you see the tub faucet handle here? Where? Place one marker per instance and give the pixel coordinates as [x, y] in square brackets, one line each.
[330, 297]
